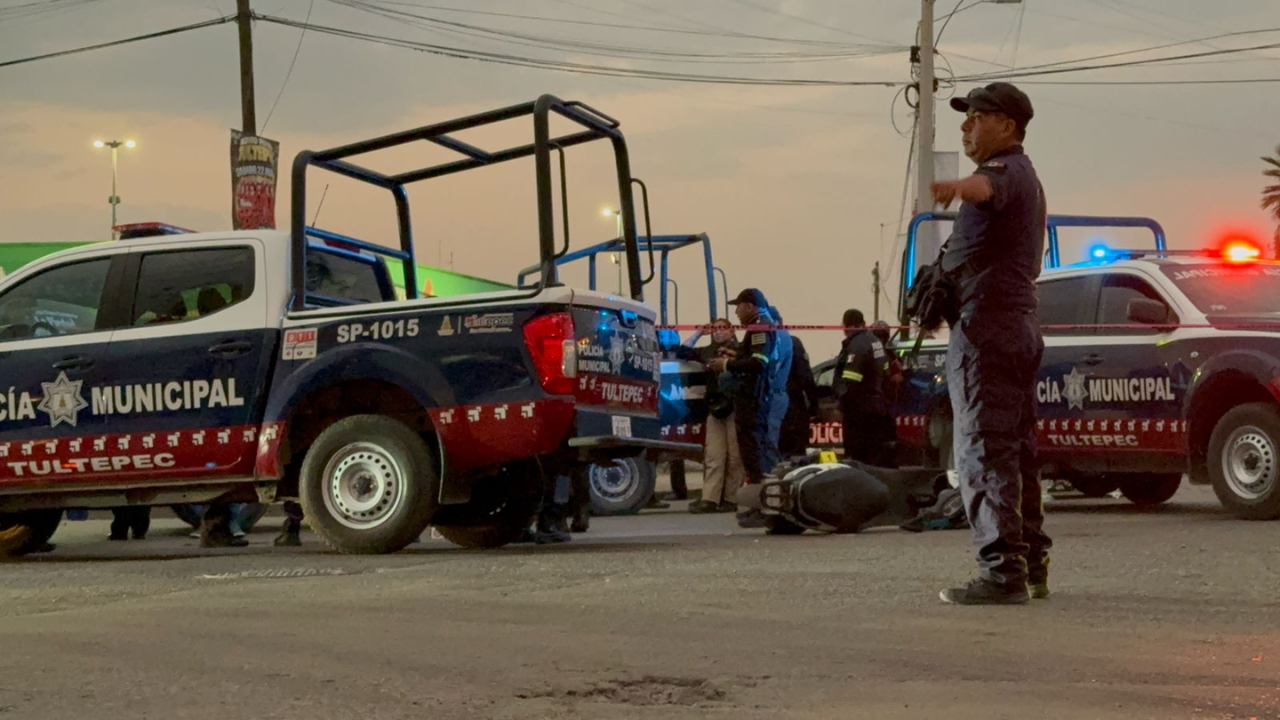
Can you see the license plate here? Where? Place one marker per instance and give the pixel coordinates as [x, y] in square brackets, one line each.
[622, 426]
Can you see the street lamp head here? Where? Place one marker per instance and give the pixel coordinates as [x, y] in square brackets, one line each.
[607, 212]
[130, 144]
[99, 144]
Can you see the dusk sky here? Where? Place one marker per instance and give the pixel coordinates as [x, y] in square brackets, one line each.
[796, 186]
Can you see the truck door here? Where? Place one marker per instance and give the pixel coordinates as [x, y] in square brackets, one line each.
[55, 329]
[189, 373]
[1133, 401]
[1065, 312]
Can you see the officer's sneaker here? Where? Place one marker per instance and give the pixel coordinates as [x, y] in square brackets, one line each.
[981, 591]
[1038, 591]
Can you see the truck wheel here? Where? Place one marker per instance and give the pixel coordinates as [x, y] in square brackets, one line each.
[622, 486]
[1095, 486]
[24, 532]
[1244, 461]
[503, 526]
[496, 515]
[368, 485]
[1149, 488]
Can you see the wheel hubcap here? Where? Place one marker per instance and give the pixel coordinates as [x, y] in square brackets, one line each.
[364, 486]
[615, 481]
[1249, 463]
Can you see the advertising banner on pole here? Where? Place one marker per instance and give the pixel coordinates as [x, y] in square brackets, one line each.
[254, 161]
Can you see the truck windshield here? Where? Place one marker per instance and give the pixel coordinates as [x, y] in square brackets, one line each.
[1216, 288]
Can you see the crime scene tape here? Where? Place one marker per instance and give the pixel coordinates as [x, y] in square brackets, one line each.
[1258, 326]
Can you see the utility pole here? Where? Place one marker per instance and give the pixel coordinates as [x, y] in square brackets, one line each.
[924, 110]
[875, 287]
[249, 124]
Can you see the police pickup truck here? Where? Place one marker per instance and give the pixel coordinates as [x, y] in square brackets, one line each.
[259, 365]
[1156, 364]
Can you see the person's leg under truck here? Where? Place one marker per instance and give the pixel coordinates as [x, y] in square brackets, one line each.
[991, 364]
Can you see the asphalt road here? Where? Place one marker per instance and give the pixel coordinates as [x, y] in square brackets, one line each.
[1170, 613]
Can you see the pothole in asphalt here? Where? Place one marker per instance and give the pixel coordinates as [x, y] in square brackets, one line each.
[648, 690]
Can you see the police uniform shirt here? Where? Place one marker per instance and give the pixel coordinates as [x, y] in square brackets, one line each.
[860, 369]
[757, 350]
[996, 248]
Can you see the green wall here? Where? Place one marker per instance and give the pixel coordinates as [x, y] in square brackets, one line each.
[444, 283]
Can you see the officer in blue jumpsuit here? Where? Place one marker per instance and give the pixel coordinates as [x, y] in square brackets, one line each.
[761, 402]
[994, 255]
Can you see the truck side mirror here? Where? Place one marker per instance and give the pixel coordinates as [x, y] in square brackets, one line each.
[1148, 312]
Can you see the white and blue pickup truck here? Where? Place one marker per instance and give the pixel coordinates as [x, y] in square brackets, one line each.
[1157, 364]
[261, 365]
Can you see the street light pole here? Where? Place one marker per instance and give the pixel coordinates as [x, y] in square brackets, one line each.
[114, 200]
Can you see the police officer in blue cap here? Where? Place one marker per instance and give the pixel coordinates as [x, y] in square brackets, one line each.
[994, 255]
[764, 363]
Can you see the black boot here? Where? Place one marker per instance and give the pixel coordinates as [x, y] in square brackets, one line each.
[290, 533]
[119, 524]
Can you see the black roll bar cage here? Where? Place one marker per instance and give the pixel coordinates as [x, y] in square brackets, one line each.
[596, 126]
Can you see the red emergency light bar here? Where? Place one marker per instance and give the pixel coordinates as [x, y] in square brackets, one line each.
[131, 231]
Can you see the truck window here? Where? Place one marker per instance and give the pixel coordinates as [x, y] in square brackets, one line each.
[60, 301]
[1113, 303]
[347, 278]
[176, 286]
[1064, 302]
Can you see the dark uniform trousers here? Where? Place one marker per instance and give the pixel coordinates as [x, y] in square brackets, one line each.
[868, 433]
[991, 369]
[752, 419]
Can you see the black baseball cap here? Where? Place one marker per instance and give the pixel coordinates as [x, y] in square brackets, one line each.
[997, 97]
[751, 295]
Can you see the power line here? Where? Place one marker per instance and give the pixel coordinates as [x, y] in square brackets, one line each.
[1228, 81]
[1153, 48]
[804, 20]
[619, 26]
[1027, 72]
[612, 50]
[289, 73]
[115, 43]
[573, 67]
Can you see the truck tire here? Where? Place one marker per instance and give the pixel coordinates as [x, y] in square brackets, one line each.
[1095, 486]
[368, 485]
[503, 527]
[23, 532]
[621, 487]
[495, 516]
[1244, 461]
[1149, 488]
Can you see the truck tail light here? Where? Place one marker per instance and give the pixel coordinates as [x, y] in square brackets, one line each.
[551, 342]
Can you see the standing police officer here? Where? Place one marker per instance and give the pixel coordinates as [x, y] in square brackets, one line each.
[860, 378]
[760, 404]
[994, 255]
